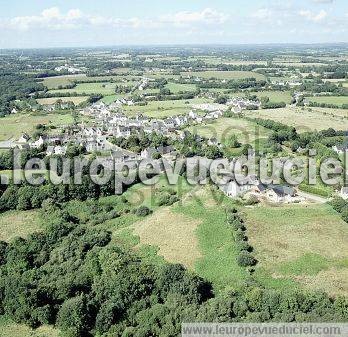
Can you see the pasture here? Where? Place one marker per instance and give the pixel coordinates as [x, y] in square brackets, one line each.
[177, 87]
[12, 126]
[56, 81]
[274, 96]
[103, 88]
[225, 75]
[52, 100]
[302, 120]
[337, 100]
[305, 244]
[163, 109]
[246, 131]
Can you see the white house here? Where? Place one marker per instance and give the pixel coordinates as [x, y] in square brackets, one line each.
[340, 149]
[344, 192]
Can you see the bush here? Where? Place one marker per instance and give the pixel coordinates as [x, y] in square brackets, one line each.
[240, 236]
[73, 317]
[245, 259]
[143, 211]
[338, 204]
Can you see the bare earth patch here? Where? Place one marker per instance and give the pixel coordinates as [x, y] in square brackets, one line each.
[174, 235]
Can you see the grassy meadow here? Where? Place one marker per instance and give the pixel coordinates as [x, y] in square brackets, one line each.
[304, 244]
[337, 100]
[52, 100]
[302, 120]
[12, 126]
[103, 88]
[223, 128]
[163, 109]
[225, 75]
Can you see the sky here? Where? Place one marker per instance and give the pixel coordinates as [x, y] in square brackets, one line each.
[88, 23]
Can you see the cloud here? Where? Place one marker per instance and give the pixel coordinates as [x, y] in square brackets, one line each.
[206, 16]
[323, 1]
[262, 13]
[312, 16]
[54, 19]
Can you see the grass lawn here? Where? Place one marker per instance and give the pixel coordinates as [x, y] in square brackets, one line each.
[223, 128]
[10, 329]
[103, 88]
[305, 244]
[163, 109]
[303, 120]
[176, 87]
[225, 75]
[12, 126]
[51, 100]
[337, 100]
[18, 223]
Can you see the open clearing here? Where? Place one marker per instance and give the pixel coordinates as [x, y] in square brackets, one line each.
[176, 87]
[303, 243]
[162, 109]
[223, 128]
[337, 100]
[103, 88]
[56, 81]
[217, 247]
[18, 223]
[9, 329]
[173, 234]
[52, 100]
[225, 75]
[12, 126]
[303, 120]
[274, 96]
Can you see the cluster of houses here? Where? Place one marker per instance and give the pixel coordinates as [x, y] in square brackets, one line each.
[66, 67]
[253, 187]
[239, 104]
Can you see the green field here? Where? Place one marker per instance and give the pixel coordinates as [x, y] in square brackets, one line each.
[218, 262]
[111, 98]
[305, 244]
[274, 96]
[176, 87]
[12, 126]
[56, 81]
[225, 75]
[162, 109]
[302, 120]
[337, 100]
[247, 132]
[51, 100]
[103, 88]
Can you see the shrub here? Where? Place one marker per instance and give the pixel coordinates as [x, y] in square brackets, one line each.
[143, 211]
[240, 236]
[245, 259]
[338, 204]
[73, 317]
